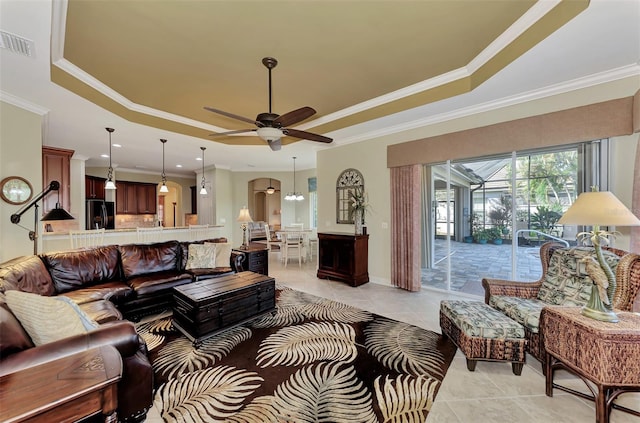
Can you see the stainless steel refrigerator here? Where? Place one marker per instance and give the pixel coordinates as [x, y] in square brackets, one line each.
[100, 214]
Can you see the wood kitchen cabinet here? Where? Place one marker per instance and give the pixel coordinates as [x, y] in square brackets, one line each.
[94, 187]
[135, 198]
[146, 194]
[56, 165]
[343, 257]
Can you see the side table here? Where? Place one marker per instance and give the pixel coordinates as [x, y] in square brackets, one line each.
[605, 354]
[257, 258]
[64, 390]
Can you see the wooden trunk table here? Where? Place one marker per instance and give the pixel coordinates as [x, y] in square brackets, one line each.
[204, 308]
[604, 354]
[64, 390]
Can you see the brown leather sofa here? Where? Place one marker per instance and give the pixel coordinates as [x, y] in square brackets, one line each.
[107, 283]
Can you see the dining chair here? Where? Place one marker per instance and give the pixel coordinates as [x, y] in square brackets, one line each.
[86, 238]
[272, 241]
[291, 246]
[199, 232]
[151, 234]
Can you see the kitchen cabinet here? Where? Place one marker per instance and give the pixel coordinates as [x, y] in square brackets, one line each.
[135, 198]
[126, 202]
[94, 187]
[56, 165]
[343, 257]
[146, 194]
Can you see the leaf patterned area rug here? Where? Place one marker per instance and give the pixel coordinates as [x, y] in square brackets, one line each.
[314, 360]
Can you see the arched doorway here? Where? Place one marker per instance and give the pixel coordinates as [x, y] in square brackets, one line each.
[263, 206]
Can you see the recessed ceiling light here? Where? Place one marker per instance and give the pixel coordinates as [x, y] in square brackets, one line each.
[199, 159]
[116, 145]
[106, 156]
[178, 165]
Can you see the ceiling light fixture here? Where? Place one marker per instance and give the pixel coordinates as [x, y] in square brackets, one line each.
[163, 188]
[270, 189]
[294, 196]
[203, 190]
[269, 134]
[109, 184]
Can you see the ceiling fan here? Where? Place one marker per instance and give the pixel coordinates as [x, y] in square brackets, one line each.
[270, 126]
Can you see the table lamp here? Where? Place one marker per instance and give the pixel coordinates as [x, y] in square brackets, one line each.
[244, 217]
[599, 208]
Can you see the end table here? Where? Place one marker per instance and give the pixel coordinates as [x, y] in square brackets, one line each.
[605, 354]
[64, 390]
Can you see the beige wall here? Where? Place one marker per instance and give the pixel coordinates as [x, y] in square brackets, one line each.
[20, 155]
[370, 158]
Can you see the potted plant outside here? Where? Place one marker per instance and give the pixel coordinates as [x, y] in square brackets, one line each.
[481, 236]
[495, 235]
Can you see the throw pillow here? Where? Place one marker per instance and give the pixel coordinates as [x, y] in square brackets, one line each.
[223, 254]
[48, 319]
[201, 256]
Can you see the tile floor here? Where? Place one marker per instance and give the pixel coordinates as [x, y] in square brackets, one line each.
[490, 394]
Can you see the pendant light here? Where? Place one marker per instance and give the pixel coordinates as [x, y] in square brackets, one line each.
[203, 190]
[109, 184]
[294, 196]
[270, 188]
[163, 188]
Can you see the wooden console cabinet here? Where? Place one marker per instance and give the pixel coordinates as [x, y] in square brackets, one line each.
[343, 257]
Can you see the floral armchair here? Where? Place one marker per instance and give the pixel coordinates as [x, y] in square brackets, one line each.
[562, 284]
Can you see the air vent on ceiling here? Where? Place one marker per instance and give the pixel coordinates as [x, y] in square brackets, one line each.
[16, 44]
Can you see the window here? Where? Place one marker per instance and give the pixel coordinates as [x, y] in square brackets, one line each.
[348, 181]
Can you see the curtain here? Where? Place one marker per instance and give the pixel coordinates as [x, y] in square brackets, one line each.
[405, 227]
[635, 204]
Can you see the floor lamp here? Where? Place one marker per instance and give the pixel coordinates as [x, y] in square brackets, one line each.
[57, 213]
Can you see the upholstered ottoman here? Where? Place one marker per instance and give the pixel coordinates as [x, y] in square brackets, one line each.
[483, 333]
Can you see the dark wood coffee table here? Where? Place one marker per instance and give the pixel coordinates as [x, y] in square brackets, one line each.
[203, 308]
[64, 390]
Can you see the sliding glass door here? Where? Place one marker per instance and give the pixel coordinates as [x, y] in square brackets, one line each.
[487, 217]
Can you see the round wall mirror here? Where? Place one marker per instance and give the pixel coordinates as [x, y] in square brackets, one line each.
[15, 190]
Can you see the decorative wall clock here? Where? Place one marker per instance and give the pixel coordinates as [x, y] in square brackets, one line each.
[15, 190]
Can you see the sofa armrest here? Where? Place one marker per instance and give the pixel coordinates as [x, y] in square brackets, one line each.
[121, 335]
[238, 259]
[509, 288]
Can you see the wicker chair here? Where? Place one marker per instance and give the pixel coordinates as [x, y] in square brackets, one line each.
[626, 296]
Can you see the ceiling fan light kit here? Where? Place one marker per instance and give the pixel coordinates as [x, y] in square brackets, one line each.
[109, 184]
[271, 127]
[163, 187]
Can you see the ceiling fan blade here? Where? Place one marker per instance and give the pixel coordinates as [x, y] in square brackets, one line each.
[307, 135]
[294, 116]
[232, 116]
[275, 145]
[238, 131]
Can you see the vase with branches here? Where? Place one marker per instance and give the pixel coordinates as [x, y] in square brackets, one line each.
[358, 207]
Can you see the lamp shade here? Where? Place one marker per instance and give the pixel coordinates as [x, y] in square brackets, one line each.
[58, 213]
[244, 215]
[599, 208]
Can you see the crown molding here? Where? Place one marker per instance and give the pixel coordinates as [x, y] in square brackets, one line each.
[552, 90]
[23, 104]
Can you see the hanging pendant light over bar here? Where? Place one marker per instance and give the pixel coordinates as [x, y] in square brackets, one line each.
[163, 188]
[294, 196]
[203, 190]
[109, 184]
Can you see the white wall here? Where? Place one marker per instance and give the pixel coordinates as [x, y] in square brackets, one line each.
[20, 155]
